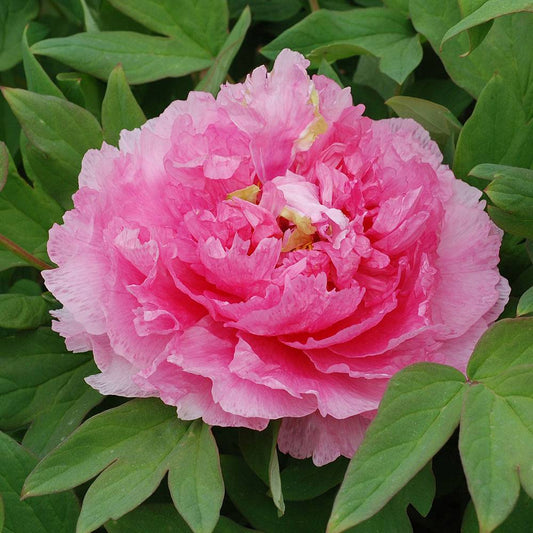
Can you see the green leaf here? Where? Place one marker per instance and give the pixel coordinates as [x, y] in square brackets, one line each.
[525, 304]
[88, 19]
[249, 494]
[325, 69]
[489, 10]
[417, 415]
[270, 10]
[368, 73]
[26, 214]
[131, 446]
[157, 517]
[143, 57]
[439, 121]
[333, 35]
[18, 311]
[120, 110]
[203, 21]
[520, 518]
[399, 5]
[37, 80]
[43, 384]
[218, 71]
[195, 479]
[506, 344]
[14, 15]
[61, 132]
[441, 91]
[499, 404]
[499, 130]
[393, 518]
[2, 514]
[82, 90]
[51, 514]
[497, 53]
[260, 452]
[302, 480]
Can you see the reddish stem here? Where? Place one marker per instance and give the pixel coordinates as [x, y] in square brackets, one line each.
[29, 258]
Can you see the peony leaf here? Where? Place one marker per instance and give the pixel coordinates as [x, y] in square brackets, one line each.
[525, 304]
[507, 344]
[417, 415]
[205, 22]
[37, 79]
[195, 479]
[498, 405]
[498, 131]
[489, 10]
[26, 214]
[419, 492]
[218, 71]
[260, 452]
[302, 480]
[120, 110]
[58, 130]
[83, 90]
[43, 384]
[333, 35]
[497, 53]
[271, 10]
[518, 520]
[250, 495]
[14, 15]
[56, 513]
[19, 311]
[436, 119]
[143, 57]
[131, 447]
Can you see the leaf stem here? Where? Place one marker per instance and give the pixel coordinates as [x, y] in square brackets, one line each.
[313, 4]
[18, 250]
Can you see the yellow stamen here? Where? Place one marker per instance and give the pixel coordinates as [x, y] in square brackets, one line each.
[248, 193]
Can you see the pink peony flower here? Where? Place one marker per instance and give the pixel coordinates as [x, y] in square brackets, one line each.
[272, 253]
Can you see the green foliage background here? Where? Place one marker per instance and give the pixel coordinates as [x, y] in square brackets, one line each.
[445, 453]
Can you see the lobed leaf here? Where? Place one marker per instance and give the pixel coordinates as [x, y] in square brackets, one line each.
[418, 413]
[43, 384]
[56, 513]
[333, 35]
[488, 10]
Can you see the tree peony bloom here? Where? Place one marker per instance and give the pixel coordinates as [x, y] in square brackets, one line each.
[273, 254]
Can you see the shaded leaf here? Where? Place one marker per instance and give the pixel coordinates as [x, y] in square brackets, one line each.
[43, 384]
[271, 10]
[55, 513]
[250, 495]
[218, 71]
[26, 214]
[19, 311]
[82, 90]
[143, 57]
[120, 110]
[302, 480]
[417, 415]
[37, 80]
[14, 15]
[335, 35]
[59, 131]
